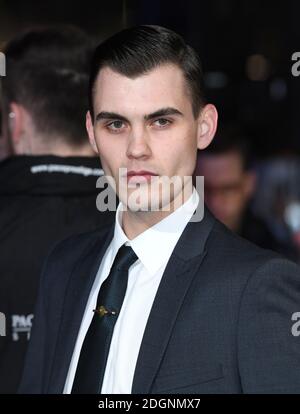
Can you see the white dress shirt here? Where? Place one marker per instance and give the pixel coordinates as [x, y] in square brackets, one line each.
[153, 248]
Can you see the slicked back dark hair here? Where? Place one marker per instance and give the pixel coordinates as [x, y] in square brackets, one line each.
[136, 51]
[47, 71]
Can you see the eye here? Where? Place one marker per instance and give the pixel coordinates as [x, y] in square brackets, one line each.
[115, 126]
[162, 122]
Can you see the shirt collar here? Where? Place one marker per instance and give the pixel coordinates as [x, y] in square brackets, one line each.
[155, 245]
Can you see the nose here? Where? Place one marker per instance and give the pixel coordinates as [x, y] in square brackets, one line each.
[138, 144]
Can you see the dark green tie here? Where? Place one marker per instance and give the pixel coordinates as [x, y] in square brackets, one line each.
[94, 352]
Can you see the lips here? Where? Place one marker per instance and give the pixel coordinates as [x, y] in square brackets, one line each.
[140, 176]
[142, 172]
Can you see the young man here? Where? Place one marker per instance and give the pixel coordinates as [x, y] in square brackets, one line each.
[159, 302]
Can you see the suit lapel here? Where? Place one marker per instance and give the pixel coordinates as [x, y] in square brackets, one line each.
[77, 294]
[183, 266]
[179, 273]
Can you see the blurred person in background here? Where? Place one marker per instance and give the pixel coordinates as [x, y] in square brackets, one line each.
[277, 200]
[229, 184]
[48, 185]
[4, 150]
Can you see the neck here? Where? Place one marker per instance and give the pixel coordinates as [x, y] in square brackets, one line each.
[41, 145]
[136, 222]
[65, 151]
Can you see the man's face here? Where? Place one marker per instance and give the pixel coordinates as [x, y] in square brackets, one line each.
[227, 187]
[145, 125]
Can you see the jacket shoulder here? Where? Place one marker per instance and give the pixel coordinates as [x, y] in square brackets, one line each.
[237, 256]
[75, 245]
[66, 254]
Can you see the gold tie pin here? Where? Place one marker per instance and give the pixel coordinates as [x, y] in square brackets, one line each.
[102, 311]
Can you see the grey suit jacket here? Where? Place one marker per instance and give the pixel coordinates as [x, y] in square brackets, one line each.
[221, 321]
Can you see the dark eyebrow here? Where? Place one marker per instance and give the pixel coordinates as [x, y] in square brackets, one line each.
[163, 112]
[159, 113]
[110, 115]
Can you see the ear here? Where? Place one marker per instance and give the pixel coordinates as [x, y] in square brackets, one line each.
[207, 126]
[15, 125]
[90, 130]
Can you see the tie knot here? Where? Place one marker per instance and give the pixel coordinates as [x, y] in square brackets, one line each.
[124, 258]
